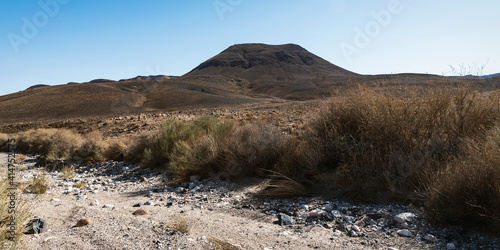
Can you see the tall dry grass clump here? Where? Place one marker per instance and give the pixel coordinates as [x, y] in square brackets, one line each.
[229, 153]
[22, 216]
[53, 143]
[387, 140]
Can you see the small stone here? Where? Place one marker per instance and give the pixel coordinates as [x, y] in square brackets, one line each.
[404, 217]
[353, 234]
[138, 204]
[430, 238]
[317, 213]
[304, 207]
[329, 208]
[108, 206]
[139, 212]
[404, 233]
[83, 222]
[195, 178]
[54, 200]
[143, 179]
[284, 219]
[148, 203]
[36, 226]
[356, 228]
[450, 246]
[94, 203]
[179, 190]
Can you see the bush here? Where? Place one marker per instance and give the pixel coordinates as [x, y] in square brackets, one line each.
[385, 140]
[172, 133]
[116, 149]
[467, 191]
[4, 139]
[53, 143]
[229, 153]
[91, 148]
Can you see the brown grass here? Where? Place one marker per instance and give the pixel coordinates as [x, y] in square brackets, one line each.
[80, 184]
[22, 215]
[39, 185]
[219, 244]
[68, 172]
[181, 225]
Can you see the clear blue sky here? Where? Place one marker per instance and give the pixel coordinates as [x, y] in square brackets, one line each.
[81, 40]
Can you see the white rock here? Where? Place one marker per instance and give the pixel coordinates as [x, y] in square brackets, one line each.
[55, 199]
[451, 246]
[317, 213]
[356, 228]
[304, 207]
[329, 208]
[404, 217]
[404, 233]
[108, 206]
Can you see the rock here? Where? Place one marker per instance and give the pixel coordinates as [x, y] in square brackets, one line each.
[329, 208]
[108, 206]
[94, 203]
[139, 212]
[36, 226]
[179, 190]
[404, 217]
[404, 233]
[450, 246]
[143, 179]
[54, 200]
[356, 228]
[430, 238]
[284, 219]
[148, 203]
[317, 213]
[195, 178]
[304, 207]
[83, 222]
[138, 204]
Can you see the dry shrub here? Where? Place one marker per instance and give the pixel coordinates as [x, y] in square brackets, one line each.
[4, 139]
[22, 215]
[383, 140]
[173, 133]
[181, 225]
[53, 143]
[219, 244]
[39, 185]
[116, 149]
[68, 172]
[467, 191]
[229, 153]
[20, 158]
[91, 148]
[80, 184]
[137, 145]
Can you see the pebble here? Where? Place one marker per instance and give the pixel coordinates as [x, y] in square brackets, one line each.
[49, 238]
[284, 219]
[404, 217]
[317, 213]
[404, 233]
[430, 238]
[450, 246]
[83, 222]
[140, 212]
[108, 206]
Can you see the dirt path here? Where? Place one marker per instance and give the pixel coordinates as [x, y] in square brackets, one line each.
[215, 209]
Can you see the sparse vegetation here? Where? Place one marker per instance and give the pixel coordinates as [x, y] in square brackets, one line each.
[181, 225]
[68, 172]
[39, 185]
[80, 184]
[219, 244]
[21, 218]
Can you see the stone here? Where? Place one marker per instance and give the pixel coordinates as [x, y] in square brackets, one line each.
[108, 206]
[317, 213]
[179, 190]
[195, 178]
[329, 208]
[138, 204]
[356, 228]
[450, 246]
[143, 179]
[148, 203]
[83, 222]
[284, 219]
[404, 233]
[94, 203]
[404, 217]
[430, 238]
[140, 212]
[36, 226]
[304, 207]
[49, 238]
[54, 200]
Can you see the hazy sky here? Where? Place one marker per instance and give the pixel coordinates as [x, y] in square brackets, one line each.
[58, 41]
